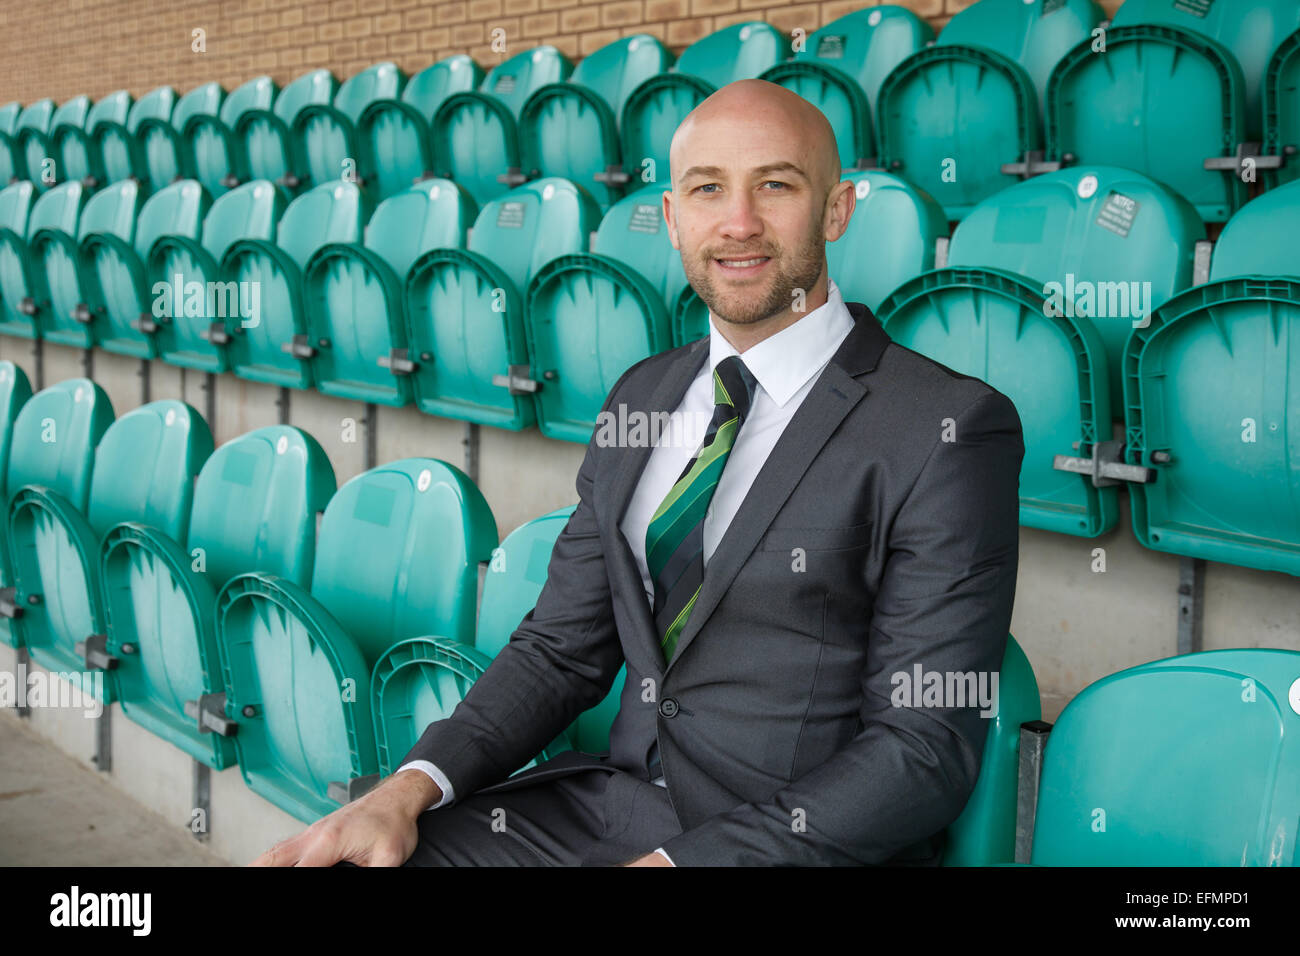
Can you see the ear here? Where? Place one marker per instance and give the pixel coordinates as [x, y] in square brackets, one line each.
[840, 204]
[671, 219]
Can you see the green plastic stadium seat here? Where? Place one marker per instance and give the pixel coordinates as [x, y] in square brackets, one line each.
[48, 481]
[1181, 87]
[421, 680]
[1212, 386]
[192, 331]
[950, 116]
[655, 109]
[271, 345]
[1281, 106]
[324, 134]
[894, 227]
[71, 147]
[985, 832]
[109, 214]
[353, 294]
[570, 129]
[1095, 231]
[255, 507]
[465, 307]
[144, 468]
[474, 134]
[841, 67]
[113, 137]
[635, 233]
[156, 161]
[211, 143]
[265, 136]
[9, 164]
[393, 145]
[1188, 761]
[126, 310]
[164, 148]
[53, 231]
[15, 389]
[31, 146]
[20, 289]
[1031, 273]
[297, 665]
[590, 316]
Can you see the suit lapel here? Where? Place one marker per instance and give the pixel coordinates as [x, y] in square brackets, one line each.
[834, 395]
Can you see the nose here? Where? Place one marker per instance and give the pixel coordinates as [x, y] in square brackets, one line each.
[741, 221]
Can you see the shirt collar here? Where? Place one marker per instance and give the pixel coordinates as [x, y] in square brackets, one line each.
[783, 363]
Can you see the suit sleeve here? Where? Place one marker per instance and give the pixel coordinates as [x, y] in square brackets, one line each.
[944, 603]
[560, 661]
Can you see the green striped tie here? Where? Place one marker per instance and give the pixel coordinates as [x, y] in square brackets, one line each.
[674, 541]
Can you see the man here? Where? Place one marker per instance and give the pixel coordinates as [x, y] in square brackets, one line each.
[855, 508]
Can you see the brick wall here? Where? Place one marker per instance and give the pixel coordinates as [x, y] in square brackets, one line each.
[59, 48]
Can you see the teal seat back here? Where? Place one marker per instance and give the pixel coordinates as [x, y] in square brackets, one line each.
[741, 51]
[985, 832]
[1187, 761]
[256, 503]
[327, 145]
[54, 439]
[533, 224]
[316, 86]
[145, 468]
[151, 121]
[15, 390]
[1098, 239]
[257, 94]
[1251, 31]
[67, 143]
[513, 81]
[618, 68]
[398, 554]
[867, 45]
[1280, 94]
[432, 214]
[515, 577]
[267, 147]
[252, 211]
[177, 210]
[112, 211]
[428, 88]
[53, 228]
[9, 114]
[1259, 239]
[205, 100]
[571, 129]
[393, 144]
[33, 127]
[202, 102]
[894, 227]
[15, 213]
[635, 232]
[1036, 34]
[332, 212]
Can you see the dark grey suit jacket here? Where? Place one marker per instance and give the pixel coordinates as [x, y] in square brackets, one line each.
[881, 534]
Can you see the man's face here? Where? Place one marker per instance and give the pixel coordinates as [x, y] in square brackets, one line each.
[745, 193]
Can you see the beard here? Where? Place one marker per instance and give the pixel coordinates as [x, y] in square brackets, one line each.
[749, 302]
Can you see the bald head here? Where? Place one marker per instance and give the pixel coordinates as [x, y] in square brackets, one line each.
[757, 194]
[755, 115]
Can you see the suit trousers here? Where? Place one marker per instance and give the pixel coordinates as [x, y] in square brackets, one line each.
[593, 817]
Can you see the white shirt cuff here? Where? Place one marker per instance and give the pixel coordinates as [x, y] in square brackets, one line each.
[660, 851]
[437, 776]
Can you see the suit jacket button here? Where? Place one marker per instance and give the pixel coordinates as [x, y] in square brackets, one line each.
[668, 707]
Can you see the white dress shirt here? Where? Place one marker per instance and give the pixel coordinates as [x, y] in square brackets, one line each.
[785, 366]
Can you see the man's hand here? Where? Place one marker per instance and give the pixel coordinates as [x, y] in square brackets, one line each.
[650, 859]
[377, 829]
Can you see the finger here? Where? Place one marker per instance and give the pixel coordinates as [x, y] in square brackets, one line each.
[284, 853]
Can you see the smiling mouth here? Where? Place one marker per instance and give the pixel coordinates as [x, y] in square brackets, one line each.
[742, 267]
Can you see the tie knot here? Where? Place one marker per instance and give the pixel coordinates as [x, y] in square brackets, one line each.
[734, 384]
